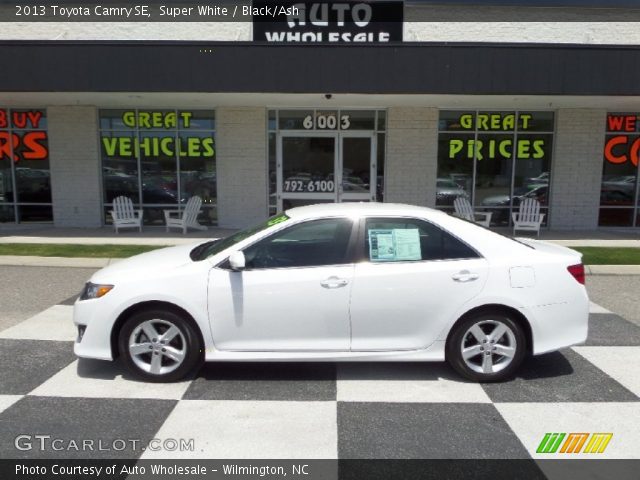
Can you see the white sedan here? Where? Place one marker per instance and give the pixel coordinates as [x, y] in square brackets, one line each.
[338, 282]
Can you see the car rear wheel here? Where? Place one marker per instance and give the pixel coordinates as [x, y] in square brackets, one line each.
[486, 347]
[159, 346]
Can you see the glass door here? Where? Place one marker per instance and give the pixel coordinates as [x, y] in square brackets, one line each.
[306, 169]
[319, 167]
[357, 182]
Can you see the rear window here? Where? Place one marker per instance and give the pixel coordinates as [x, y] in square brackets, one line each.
[409, 239]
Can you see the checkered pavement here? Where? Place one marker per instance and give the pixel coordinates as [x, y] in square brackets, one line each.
[317, 410]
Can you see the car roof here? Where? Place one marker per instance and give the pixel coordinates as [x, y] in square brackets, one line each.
[359, 209]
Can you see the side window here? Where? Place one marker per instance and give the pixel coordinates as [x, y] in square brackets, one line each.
[314, 243]
[410, 239]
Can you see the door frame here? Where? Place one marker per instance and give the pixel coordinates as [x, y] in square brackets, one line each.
[338, 195]
[373, 170]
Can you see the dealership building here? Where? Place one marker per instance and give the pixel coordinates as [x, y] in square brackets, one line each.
[410, 102]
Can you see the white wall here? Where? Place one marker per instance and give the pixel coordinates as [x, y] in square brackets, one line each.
[75, 166]
[577, 169]
[600, 32]
[241, 164]
[412, 156]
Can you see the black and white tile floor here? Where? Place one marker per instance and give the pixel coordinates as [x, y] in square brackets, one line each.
[317, 410]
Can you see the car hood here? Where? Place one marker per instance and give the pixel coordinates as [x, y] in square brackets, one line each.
[146, 264]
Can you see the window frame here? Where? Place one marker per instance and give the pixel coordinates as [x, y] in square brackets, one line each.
[363, 257]
[349, 255]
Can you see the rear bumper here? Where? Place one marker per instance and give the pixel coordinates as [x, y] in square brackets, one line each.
[559, 325]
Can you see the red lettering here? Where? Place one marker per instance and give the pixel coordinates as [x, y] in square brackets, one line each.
[633, 154]
[5, 145]
[615, 123]
[608, 149]
[622, 123]
[19, 119]
[3, 118]
[34, 117]
[630, 123]
[36, 150]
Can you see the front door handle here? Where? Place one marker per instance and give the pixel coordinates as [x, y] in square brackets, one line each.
[465, 276]
[334, 282]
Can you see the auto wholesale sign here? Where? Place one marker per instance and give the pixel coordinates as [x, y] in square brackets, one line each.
[328, 22]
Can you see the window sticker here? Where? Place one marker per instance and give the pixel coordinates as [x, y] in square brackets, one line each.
[394, 245]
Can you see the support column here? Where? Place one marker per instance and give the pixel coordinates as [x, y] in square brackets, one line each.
[577, 169]
[75, 166]
[412, 156]
[241, 164]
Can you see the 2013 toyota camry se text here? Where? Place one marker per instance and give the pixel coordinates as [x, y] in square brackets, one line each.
[339, 282]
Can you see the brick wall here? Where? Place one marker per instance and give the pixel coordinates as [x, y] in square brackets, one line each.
[412, 156]
[75, 166]
[577, 168]
[241, 159]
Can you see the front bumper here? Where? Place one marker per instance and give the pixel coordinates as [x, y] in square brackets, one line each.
[95, 342]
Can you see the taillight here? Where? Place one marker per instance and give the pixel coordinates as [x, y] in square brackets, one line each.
[577, 271]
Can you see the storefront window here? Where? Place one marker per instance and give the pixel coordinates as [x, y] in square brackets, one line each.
[159, 159]
[25, 184]
[619, 198]
[494, 159]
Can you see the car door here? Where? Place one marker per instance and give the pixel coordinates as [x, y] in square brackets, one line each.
[412, 278]
[293, 294]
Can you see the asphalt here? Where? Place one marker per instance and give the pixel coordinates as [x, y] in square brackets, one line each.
[617, 293]
[27, 291]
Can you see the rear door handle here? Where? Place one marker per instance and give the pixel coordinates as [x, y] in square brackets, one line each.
[334, 282]
[465, 276]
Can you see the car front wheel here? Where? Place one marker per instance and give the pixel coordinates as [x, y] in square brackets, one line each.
[487, 347]
[159, 346]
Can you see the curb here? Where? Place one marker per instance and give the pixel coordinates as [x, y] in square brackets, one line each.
[82, 262]
[612, 269]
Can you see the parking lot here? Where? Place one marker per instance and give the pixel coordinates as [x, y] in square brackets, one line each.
[305, 410]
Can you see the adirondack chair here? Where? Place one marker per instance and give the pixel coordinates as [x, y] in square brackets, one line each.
[187, 218]
[464, 210]
[528, 217]
[124, 215]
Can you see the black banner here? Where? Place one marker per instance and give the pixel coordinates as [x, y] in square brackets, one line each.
[328, 22]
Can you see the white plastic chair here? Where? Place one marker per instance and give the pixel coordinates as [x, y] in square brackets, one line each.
[464, 210]
[528, 216]
[124, 215]
[187, 218]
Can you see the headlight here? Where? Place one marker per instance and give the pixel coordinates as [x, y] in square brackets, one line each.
[91, 290]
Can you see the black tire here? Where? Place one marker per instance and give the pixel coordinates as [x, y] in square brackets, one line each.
[187, 341]
[485, 321]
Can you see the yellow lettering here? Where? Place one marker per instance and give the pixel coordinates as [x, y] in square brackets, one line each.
[466, 121]
[455, 146]
[129, 119]
[524, 147]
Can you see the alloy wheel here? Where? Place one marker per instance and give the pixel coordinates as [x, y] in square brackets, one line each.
[157, 346]
[488, 346]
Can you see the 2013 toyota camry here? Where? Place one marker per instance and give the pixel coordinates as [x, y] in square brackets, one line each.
[338, 282]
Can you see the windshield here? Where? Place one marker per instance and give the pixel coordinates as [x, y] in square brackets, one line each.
[214, 247]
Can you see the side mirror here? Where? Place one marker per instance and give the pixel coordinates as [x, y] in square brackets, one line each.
[237, 261]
